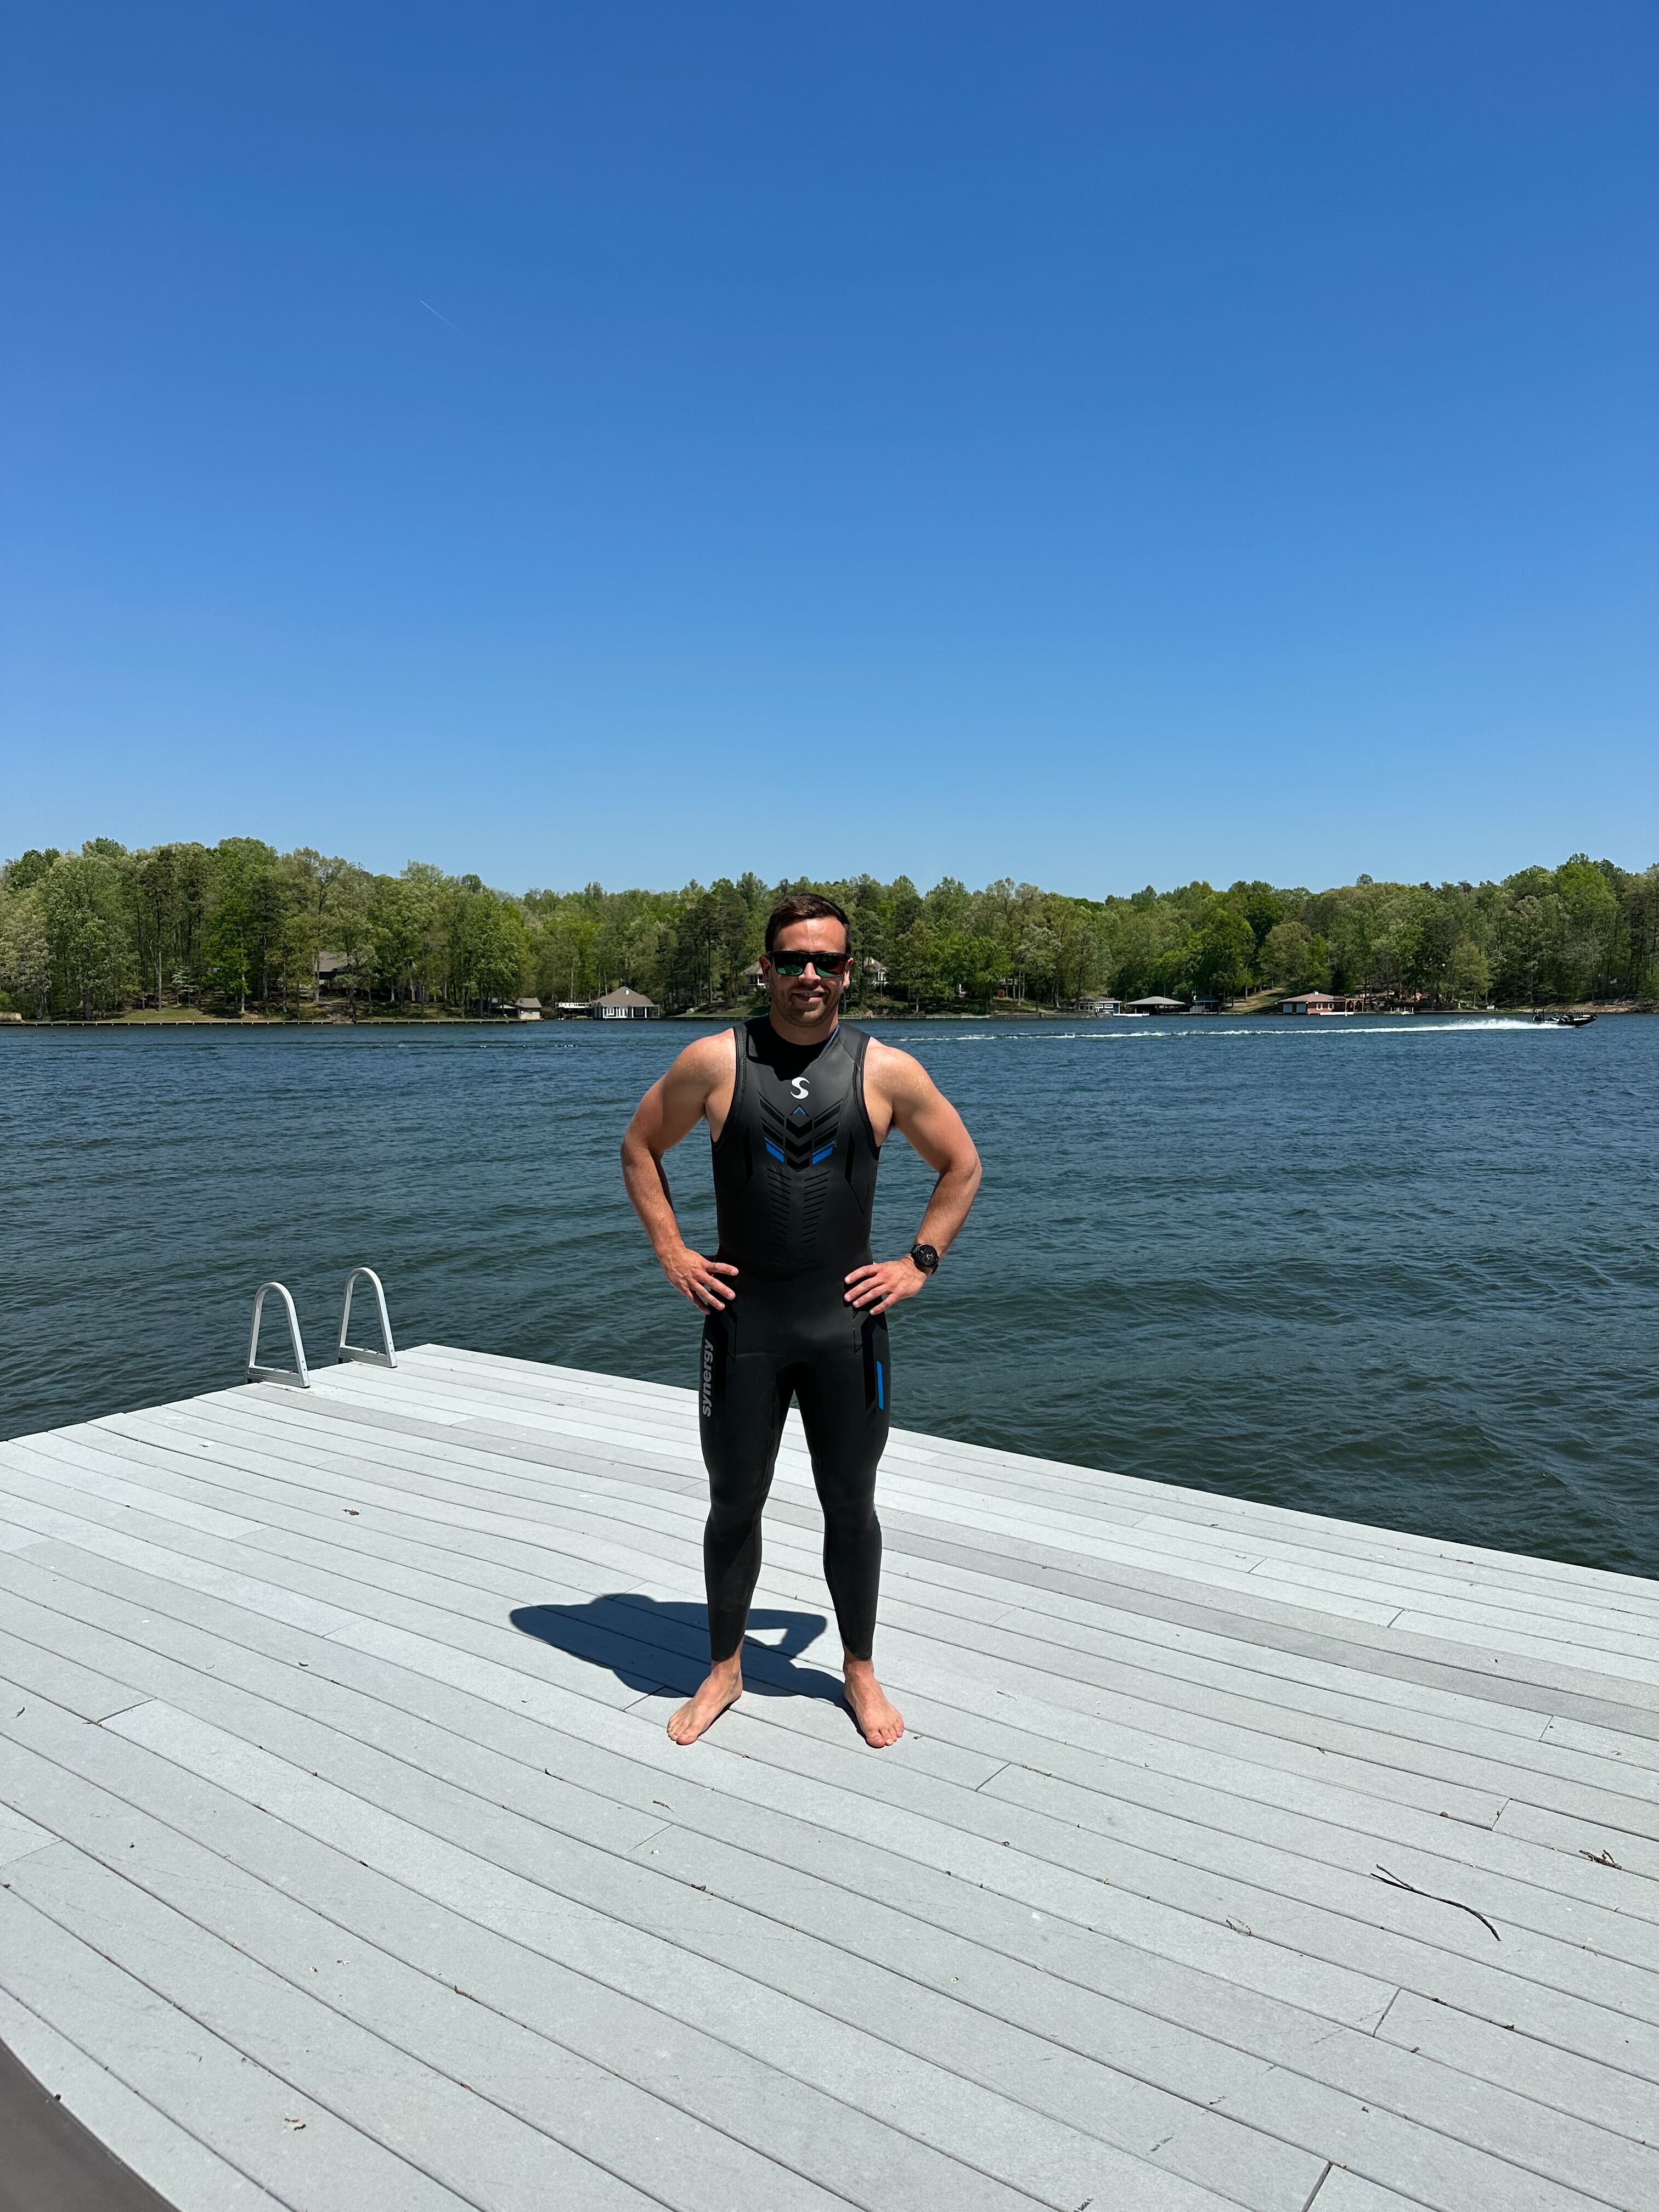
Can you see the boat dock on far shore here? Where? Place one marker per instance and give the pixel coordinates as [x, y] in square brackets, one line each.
[1233, 1857]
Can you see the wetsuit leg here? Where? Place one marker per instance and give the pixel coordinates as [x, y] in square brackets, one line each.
[741, 1405]
[845, 1394]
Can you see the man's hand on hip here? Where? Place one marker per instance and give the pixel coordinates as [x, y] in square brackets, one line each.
[697, 1278]
[884, 1282]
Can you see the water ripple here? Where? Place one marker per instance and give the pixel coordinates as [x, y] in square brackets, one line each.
[1413, 1281]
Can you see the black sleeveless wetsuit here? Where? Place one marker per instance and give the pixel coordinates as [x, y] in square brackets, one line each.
[794, 1183]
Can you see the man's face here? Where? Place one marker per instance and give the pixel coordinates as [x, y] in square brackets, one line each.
[809, 998]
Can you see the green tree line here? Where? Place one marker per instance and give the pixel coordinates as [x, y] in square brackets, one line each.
[238, 926]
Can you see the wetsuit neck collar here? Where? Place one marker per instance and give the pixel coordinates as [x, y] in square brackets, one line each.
[773, 1050]
[788, 1044]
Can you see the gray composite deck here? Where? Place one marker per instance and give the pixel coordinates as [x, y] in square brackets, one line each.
[347, 1865]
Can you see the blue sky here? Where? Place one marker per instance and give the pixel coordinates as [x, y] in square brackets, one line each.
[1100, 443]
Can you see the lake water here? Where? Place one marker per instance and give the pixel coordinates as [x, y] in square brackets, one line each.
[1406, 1271]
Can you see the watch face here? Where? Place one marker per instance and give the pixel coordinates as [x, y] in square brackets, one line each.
[924, 1257]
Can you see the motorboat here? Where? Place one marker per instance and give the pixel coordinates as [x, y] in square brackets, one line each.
[1564, 1021]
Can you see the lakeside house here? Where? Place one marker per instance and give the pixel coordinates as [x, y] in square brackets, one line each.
[329, 967]
[1156, 1006]
[1096, 1007]
[624, 1003]
[1315, 1002]
[524, 1010]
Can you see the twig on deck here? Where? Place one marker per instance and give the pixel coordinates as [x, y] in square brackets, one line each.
[1395, 1881]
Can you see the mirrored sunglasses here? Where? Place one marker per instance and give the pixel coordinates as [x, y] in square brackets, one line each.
[796, 963]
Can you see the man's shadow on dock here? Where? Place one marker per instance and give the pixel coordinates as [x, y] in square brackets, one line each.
[658, 1644]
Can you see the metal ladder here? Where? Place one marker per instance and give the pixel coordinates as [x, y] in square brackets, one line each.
[298, 1377]
[344, 1351]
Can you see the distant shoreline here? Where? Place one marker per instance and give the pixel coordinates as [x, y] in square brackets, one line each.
[293, 1023]
[186, 932]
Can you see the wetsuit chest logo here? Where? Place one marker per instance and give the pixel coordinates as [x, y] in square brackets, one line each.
[802, 1138]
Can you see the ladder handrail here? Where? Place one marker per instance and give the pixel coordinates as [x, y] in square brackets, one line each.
[297, 1377]
[343, 1350]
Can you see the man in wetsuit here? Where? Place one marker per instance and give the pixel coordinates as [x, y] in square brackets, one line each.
[798, 1108]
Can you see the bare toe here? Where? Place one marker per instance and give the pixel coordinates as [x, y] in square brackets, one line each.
[699, 1713]
[879, 1719]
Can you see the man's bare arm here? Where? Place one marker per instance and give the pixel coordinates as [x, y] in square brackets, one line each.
[670, 1110]
[927, 1120]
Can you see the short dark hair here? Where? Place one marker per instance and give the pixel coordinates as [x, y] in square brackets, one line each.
[805, 905]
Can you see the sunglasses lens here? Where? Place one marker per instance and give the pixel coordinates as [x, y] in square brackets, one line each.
[794, 963]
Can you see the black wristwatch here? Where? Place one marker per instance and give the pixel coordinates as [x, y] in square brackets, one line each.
[924, 1257]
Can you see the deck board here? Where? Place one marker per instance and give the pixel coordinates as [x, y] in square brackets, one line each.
[1107, 1923]
[1455, 1740]
[1419, 1660]
[183, 2171]
[686, 1640]
[1193, 1513]
[427, 1979]
[254, 2119]
[1240, 1599]
[1444, 1751]
[1307, 1808]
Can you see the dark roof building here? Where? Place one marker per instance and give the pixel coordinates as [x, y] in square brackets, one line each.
[624, 1003]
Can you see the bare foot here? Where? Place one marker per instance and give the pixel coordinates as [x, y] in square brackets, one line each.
[723, 1687]
[879, 1719]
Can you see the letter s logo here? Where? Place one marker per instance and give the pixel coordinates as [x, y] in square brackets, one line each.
[798, 1087]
